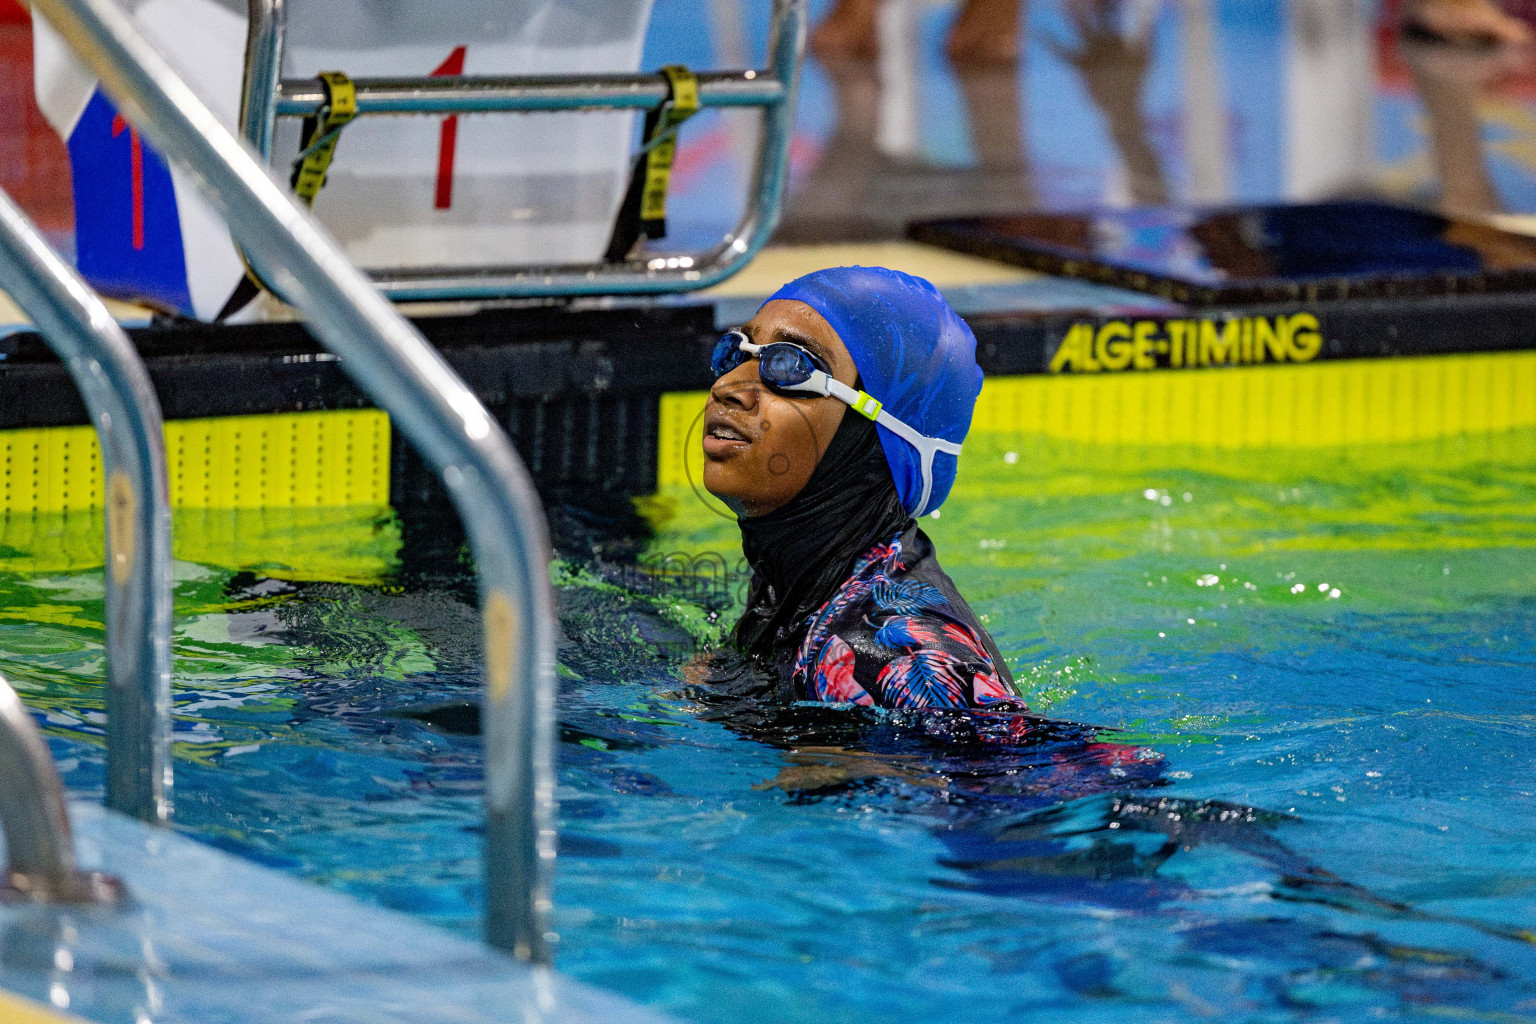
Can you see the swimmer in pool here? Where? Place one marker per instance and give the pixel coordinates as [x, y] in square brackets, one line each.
[834, 424]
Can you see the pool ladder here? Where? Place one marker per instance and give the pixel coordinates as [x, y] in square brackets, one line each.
[40, 852]
[126, 414]
[394, 365]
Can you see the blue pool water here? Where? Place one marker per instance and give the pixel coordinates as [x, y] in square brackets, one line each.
[1318, 805]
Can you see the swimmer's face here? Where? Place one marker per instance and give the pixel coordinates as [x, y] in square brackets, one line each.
[760, 447]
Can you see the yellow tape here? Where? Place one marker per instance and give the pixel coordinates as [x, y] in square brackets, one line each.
[320, 144]
[121, 508]
[1306, 405]
[684, 104]
[501, 642]
[291, 460]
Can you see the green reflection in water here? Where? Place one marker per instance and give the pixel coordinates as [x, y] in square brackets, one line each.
[51, 613]
[1053, 539]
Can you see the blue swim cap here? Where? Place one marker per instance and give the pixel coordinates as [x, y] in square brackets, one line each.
[914, 354]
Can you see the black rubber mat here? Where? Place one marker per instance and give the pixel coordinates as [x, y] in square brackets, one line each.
[1254, 254]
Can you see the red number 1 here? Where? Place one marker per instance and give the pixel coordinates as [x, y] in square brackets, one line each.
[454, 65]
[135, 176]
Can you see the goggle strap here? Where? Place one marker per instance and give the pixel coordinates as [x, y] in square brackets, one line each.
[926, 446]
[922, 502]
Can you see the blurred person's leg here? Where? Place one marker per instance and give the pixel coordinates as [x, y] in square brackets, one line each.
[1002, 179]
[1450, 79]
[984, 30]
[1464, 20]
[1114, 60]
[848, 30]
[835, 200]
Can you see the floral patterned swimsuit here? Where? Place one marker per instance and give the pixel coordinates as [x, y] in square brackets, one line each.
[897, 634]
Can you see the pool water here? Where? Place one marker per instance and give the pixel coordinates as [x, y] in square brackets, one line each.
[1317, 805]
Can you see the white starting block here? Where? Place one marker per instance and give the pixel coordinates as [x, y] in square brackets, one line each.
[461, 191]
[489, 156]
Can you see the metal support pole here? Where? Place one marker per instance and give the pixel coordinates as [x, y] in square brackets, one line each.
[404, 375]
[39, 849]
[266, 22]
[126, 414]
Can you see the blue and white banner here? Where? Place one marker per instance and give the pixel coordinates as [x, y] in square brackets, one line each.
[143, 232]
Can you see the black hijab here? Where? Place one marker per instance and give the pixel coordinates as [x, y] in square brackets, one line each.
[802, 552]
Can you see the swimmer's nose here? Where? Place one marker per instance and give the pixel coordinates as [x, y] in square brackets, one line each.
[738, 388]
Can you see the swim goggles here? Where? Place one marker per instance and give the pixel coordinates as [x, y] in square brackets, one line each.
[793, 370]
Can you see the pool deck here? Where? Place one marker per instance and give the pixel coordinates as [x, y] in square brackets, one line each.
[213, 939]
[971, 284]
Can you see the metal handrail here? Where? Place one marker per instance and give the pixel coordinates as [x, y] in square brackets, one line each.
[395, 366]
[126, 414]
[38, 844]
[485, 94]
[266, 96]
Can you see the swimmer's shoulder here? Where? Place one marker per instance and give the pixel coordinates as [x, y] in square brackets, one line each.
[900, 635]
[920, 562]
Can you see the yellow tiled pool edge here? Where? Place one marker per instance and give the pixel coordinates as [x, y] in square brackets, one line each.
[1309, 405]
[341, 458]
[287, 460]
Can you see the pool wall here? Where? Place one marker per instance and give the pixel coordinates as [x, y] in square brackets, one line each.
[259, 416]
[1311, 405]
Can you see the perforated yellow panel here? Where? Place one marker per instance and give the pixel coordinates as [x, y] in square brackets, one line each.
[1276, 406]
[292, 460]
[50, 470]
[676, 423]
[1272, 406]
[299, 459]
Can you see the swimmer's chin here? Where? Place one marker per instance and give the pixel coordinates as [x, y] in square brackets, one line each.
[730, 501]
